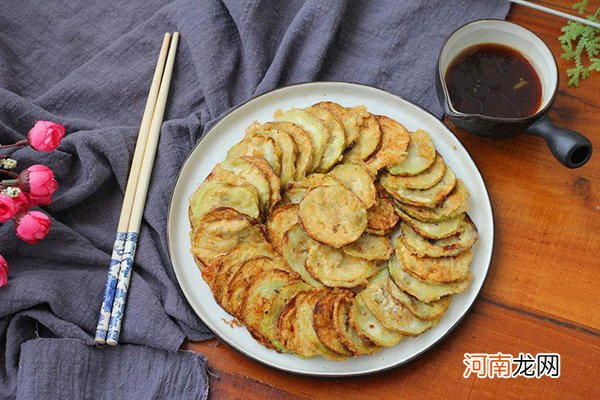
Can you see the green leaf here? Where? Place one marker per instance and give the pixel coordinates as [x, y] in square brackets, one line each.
[579, 42]
[580, 6]
[594, 64]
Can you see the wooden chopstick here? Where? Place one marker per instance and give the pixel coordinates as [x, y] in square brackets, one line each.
[114, 327]
[556, 12]
[132, 183]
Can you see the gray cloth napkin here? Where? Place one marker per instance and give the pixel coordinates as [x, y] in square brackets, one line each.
[88, 64]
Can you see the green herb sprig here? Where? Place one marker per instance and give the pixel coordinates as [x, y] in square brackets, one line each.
[580, 42]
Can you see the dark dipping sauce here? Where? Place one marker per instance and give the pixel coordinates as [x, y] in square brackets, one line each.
[493, 80]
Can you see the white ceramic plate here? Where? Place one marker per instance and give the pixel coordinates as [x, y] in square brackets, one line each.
[229, 130]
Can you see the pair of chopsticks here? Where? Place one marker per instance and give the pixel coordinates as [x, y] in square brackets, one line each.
[556, 12]
[119, 272]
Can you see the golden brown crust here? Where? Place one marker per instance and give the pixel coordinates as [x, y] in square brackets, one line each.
[357, 179]
[382, 218]
[394, 142]
[336, 144]
[228, 264]
[239, 282]
[222, 229]
[272, 178]
[433, 230]
[457, 202]
[257, 301]
[351, 121]
[426, 311]
[303, 145]
[450, 246]
[369, 139]
[370, 247]
[421, 154]
[346, 333]
[279, 222]
[323, 323]
[390, 313]
[426, 179]
[440, 270]
[259, 146]
[333, 215]
[428, 198]
[334, 268]
[295, 328]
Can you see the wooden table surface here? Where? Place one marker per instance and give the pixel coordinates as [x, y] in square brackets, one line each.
[542, 293]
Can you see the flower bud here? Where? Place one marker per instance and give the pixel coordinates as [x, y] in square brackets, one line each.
[45, 135]
[3, 271]
[38, 181]
[7, 208]
[33, 226]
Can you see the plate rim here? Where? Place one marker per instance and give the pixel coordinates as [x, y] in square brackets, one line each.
[330, 374]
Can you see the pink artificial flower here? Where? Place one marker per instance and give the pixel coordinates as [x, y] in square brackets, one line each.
[46, 135]
[3, 271]
[22, 203]
[38, 181]
[33, 226]
[7, 208]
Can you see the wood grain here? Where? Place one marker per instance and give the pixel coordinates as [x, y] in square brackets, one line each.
[541, 294]
[489, 328]
[547, 217]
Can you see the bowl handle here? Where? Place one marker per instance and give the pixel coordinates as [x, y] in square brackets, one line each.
[570, 148]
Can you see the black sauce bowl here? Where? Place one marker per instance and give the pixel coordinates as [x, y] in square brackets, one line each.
[570, 148]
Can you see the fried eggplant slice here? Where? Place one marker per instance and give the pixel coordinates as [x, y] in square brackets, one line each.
[279, 222]
[425, 291]
[421, 154]
[304, 146]
[447, 247]
[433, 230]
[456, 203]
[346, 333]
[220, 230]
[272, 178]
[238, 283]
[261, 146]
[237, 171]
[435, 270]
[370, 247]
[316, 130]
[295, 247]
[356, 178]
[214, 194]
[295, 327]
[323, 322]
[427, 311]
[426, 179]
[382, 217]
[294, 192]
[289, 151]
[351, 121]
[222, 267]
[392, 315]
[369, 139]
[334, 268]
[263, 288]
[428, 198]
[337, 138]
[332, 215]
[368, 326]
[275, 307]
[393, 148]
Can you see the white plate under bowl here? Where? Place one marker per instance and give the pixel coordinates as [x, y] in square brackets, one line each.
[230, 130]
